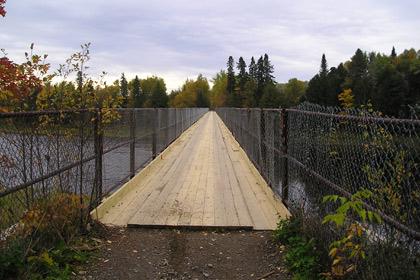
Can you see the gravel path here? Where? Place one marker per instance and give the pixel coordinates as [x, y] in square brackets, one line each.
[175, 254]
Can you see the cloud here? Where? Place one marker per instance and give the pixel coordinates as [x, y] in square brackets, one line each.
[180, 39]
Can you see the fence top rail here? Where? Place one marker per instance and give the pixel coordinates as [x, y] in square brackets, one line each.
[358, 118]
[338, 116]
[38, 113]
[4, 115]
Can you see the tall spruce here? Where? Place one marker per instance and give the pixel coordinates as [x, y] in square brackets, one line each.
[260, 75]
[158, 97]
[323, 71]
[268, 70]
[393, 53]
[137, 94]
[358, 77]
[318, 87]
[230, 86]
[124, 90]
[242, 74]
[336, 79]
[252, 69]
[241, 79]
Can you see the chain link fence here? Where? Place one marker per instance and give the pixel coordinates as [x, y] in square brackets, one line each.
[85, 153]
[310, 151]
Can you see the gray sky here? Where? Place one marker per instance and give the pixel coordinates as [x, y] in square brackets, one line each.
[180, 39]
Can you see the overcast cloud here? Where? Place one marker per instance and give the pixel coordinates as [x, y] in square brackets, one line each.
[180, 39]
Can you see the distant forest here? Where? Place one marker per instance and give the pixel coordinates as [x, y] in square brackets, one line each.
[388, 83]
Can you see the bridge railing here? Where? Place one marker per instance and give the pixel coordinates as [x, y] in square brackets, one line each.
[311, 151]
[84, 154]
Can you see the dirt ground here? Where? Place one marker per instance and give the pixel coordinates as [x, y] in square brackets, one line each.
[180, 254]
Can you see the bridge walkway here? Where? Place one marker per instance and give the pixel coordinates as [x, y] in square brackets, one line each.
[203, 179]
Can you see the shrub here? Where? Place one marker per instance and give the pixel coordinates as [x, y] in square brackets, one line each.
[302, 257]
[41, 246]
[54, 219]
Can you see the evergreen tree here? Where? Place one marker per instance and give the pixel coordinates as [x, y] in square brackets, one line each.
[318, 87]
[230, 86]
[336, 78]
[124, 90]
[260, 75]
[358, 79]
[137, 96]
[390, 84]
[393, 53]
[268, 71]
[249, 94]
[242, 78]
[242, 74]
[324, 67]
[159, 98]
[312, 92]
[253, 70]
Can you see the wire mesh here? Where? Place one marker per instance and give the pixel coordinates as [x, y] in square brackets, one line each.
[86, 153]
[311, 151]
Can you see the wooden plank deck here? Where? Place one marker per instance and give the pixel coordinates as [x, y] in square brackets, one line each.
[203, 179]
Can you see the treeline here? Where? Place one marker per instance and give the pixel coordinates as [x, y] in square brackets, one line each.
[29, 86]
[194, 93]
[136, 93]
[150, 92]
[391, 83]
[253, 86]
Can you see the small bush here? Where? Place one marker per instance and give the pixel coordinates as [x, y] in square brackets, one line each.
[54, 219]
[42, 246]
[301, 257]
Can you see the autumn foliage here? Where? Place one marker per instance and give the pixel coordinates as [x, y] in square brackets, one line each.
[20, 83]
[2, 10]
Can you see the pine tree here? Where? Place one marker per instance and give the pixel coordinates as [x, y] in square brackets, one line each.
[124, 90]
[324, 67]
[260, 75]
[358, 78]
[268, 70]
[230, 86]
[336, 79]
[158, 98]
[137, 94]
[242, 78]
[318, 87]
[253, 70]
[393, 53]
[242, 75]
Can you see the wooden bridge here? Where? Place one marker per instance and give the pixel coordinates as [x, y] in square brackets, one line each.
[203, 179]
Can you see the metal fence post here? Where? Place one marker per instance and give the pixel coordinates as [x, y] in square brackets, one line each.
[176, 123]
[260, 141]
[285, 174]
[155, 132]
[98, 145]
[132, 142]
